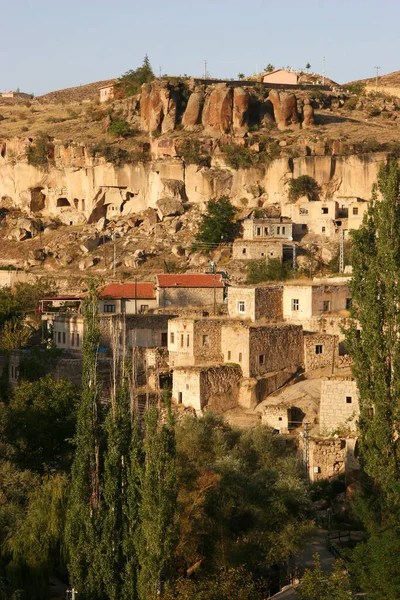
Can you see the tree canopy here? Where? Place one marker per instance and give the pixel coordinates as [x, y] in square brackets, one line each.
[131, 82]
[217, 225]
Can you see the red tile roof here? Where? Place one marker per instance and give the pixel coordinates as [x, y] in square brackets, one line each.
[129, 290]
[190, 280]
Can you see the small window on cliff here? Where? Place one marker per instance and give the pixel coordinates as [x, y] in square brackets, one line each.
[319, 349]
[62, 202]
[355, 210]
[229, 355]
[171, 338]
[348, 399]
[240, 357]
[324, 210]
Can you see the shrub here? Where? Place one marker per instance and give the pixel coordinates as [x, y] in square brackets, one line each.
[240, 157]
[356, 88]
[303, 186]
[218, 225]
[120, 129]
[191, 152]
[271, 270]
[350, 103]
[38, 152]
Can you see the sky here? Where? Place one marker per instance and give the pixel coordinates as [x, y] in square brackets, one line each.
[48, 45]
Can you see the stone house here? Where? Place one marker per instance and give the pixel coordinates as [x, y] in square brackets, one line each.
[257, 249]
[11, 94]
[320, 350]
[281, 76]
[261, 349]
[310, 216]
[190, 289]
[339, 405]
[214, 387]
[268, 227]
[277, 416]
[357, 210]
[127, 298]
[320, 306]
[106, 92]
[193, 342]
[255, 303]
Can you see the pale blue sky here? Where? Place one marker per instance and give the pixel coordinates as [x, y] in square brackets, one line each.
[53, 44]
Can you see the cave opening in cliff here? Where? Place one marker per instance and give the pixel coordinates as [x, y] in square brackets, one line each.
[38, 200]
[61, 202]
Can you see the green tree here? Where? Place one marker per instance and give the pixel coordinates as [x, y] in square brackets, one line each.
[39, 153]
[271, 270]
[308, 66]
[317, 584]
[38, 422]
[269, 68]
[218, 225]
[120, 128]
[131, 82]
[303, 186]
[83, 524]
[241, 75]
[374, 343]
[156, 534]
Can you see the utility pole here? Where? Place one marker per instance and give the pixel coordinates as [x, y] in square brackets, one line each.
[376, 78]
[205, 69]
[115, 257]
[159, 72]
[341, 252]
[306, 450]
[323, 70]
[294, 257]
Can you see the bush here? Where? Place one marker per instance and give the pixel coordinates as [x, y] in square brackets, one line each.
[218, 224]
[273, 270]
[303, 186]
[38, 152]
[191, 152]
[242, 157]
[351, 103]
[120, 129]
[356, 88]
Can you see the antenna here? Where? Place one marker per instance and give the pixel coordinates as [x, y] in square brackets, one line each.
[205, 69]
[376, 78]
[323, 70]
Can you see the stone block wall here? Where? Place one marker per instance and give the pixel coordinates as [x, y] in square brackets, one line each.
[181, 297]
[260, 303]
[213, 387]
[276, 417]
[339, 405]
[257, 250]
[320, 350]
[281, 346]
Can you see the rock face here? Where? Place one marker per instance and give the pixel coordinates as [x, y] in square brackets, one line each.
[241, 101]
[192, 115]
[169, 207]
[308, 114]
[158, 106]
[217, 112]
[285, 109]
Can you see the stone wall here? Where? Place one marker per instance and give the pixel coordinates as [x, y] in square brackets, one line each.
[257, 250]
[259, 303]
[194, 342]
[339, 406]
[320, 350]
[280, 345]
[277, 417]
[183, 297]
[327, 458]
[214, 388]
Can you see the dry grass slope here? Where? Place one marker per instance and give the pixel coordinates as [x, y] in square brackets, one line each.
[82, 93]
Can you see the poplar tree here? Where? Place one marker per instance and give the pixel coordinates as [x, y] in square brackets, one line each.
[82, 524]
[156, 536]
[374, 343]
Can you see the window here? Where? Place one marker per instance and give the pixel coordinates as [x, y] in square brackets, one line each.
[59, 337]
[348, 399]
[64, 337]
[144, 308]
[179, 397]
[229, 355]
[182, 342]
[205, 340]
[278, 230]
[261, 359]
[172, 337]
[304, 227]
[265, 230]
[72, 339]
[187, 341]
[319, 349]
[241, 306]
[258, 231]
[324, 210]
[348, 303]
[326, 306]
[295, 304]
[244, 251]
[355, 210]
[323, 229]
[240, 357]
[283, 230]
[109, 308]
[187, 386]
[164, 339]
[77, 339]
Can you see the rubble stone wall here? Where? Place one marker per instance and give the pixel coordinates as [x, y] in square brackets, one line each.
[257, 250]
[320, 350]
[182, 297]
[280, 346]
[260, 303]
[326, 458]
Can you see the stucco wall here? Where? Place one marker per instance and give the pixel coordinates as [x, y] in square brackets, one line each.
[336, 412]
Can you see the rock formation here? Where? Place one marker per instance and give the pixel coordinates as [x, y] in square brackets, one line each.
[158, 106]
[285, 109]
[217, 112]
[241, 101]
[192, 115]
[308, 114]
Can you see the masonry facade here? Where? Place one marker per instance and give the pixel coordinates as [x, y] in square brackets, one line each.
[255, 303]
[339, 405]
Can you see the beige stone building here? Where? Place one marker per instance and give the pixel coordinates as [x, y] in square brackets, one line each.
[106, 92]
[357, 209]
[257, 249]
[320, 351]
[255, 303]
[190, 289]
[214, 387]
[8, 278]
[321, 305]
[193, 342]
[127, 298]
[339, 405]
[266, 228]
[310, 216]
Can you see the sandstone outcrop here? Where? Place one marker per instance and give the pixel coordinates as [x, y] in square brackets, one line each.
[241, 101]
[192, 115]
[218, 109]
[158, 107]
[169, 207]
[285, 109]
[308, 114]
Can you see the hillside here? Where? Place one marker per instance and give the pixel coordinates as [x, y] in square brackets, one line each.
[81, 93]
[388, 84]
